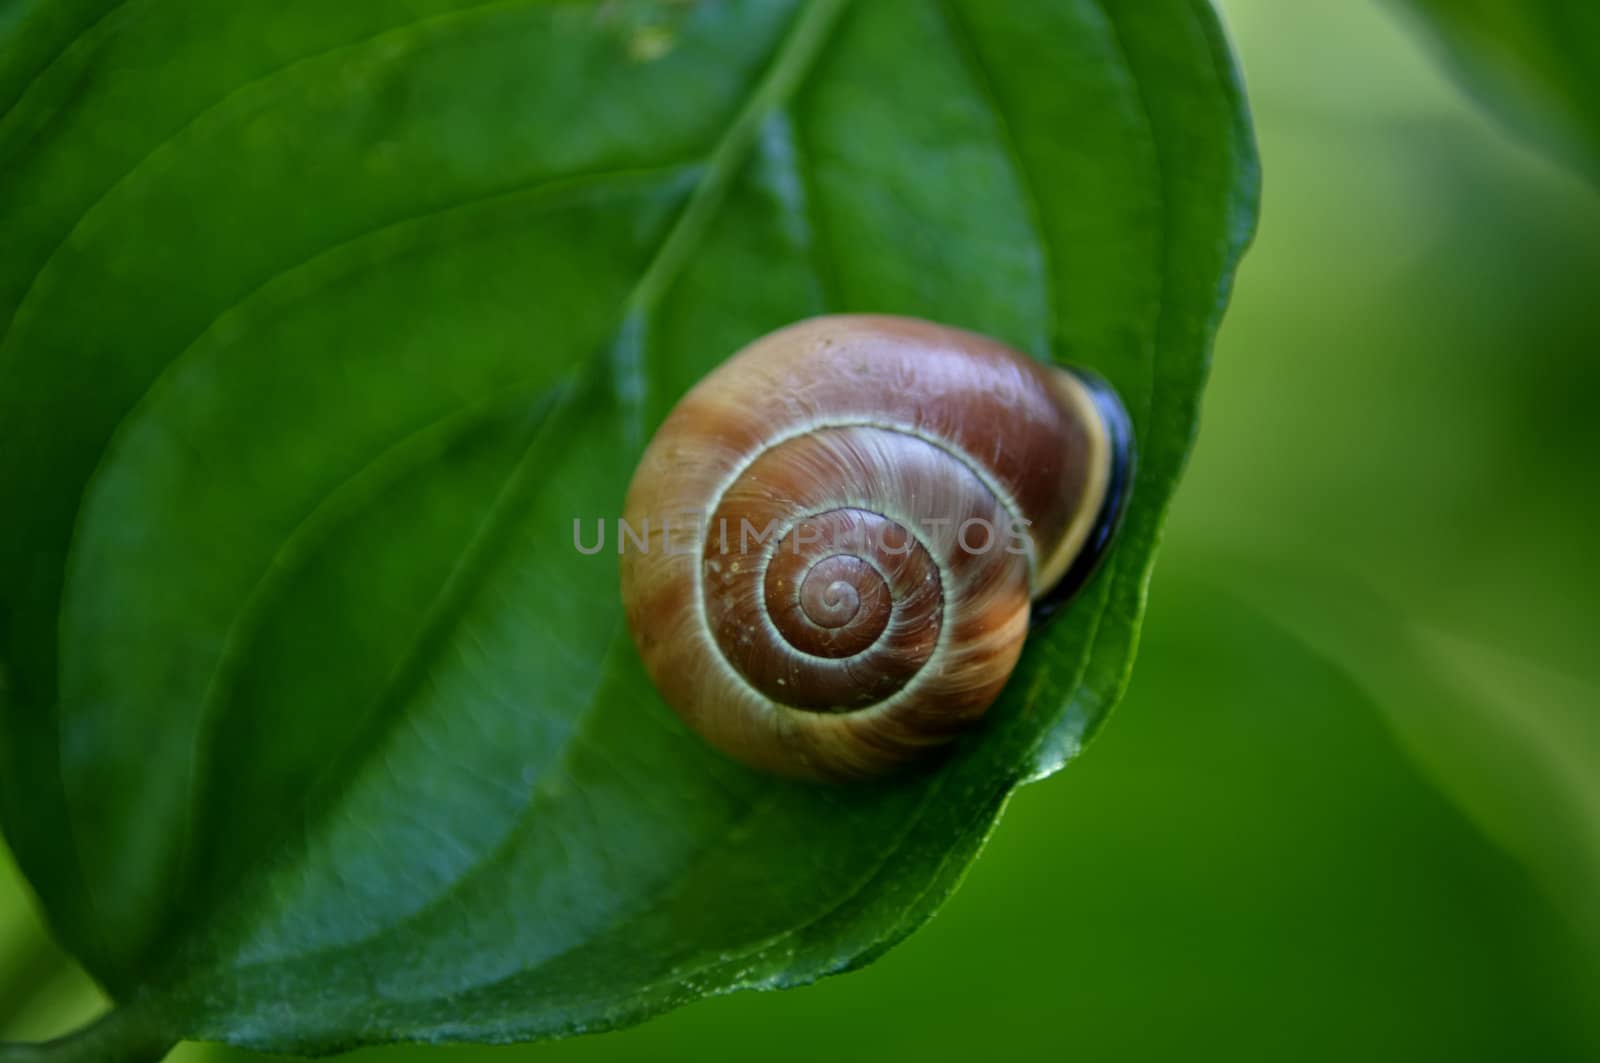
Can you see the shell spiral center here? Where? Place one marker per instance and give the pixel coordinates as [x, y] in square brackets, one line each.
[842, 610]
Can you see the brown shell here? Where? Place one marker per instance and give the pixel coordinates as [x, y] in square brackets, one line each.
[844, 526]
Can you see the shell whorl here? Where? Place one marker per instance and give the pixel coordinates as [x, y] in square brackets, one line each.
[844, 526]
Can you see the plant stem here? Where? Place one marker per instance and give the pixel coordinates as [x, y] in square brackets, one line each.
[119, 1036]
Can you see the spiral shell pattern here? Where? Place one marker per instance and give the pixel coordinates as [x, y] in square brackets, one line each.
[844, 527]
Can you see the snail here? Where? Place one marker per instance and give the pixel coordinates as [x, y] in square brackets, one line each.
[835, 541]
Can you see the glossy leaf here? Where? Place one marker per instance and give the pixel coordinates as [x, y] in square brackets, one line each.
[324, 324]
[1536, 63]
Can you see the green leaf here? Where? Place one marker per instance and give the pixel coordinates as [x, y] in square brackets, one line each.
[1535, 63]
[326, 321]
[1510, 741]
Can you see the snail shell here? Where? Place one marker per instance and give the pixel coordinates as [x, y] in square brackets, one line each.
[836, 537]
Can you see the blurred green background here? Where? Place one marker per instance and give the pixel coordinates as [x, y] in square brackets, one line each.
[1350, 807]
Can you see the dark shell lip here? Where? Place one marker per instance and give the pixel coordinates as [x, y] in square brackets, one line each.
[1124, 461]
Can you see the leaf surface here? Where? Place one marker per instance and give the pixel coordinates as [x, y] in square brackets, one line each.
[322, 324]
[1535, 63]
